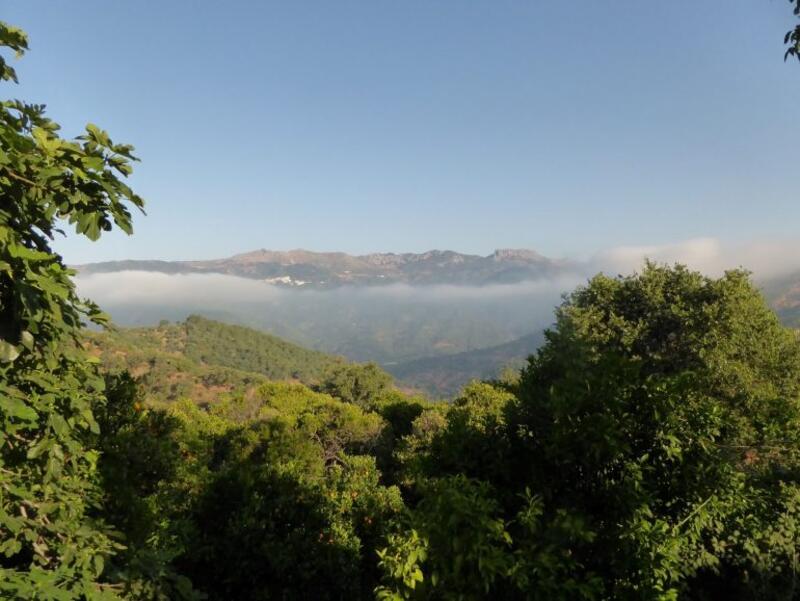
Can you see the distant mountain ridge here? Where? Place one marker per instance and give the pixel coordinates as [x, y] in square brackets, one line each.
[303, 268]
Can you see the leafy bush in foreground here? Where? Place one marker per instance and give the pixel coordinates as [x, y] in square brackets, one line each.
[50, 546]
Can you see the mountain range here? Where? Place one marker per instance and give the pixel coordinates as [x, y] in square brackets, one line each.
[448, 318]
[303, 268]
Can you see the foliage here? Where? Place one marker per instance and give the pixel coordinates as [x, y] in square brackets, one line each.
[399, 412]
[215, 343]
[255, 497]
[355, 383]
[650, 450]
[334, 425]
[472, 441]
[291, 502]
[140, 453]
[672, 399]
[456, 528]
[50, 547]
[204, 360]
[792, 38]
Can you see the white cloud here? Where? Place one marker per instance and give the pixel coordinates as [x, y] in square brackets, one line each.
[220, 290]
[450, 292]
[765, 258]
[152, 288]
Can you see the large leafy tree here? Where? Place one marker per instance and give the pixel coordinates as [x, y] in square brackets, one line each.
[49, 546]
[663, 412]
[288, 504]
[651, 450]
[357, 384]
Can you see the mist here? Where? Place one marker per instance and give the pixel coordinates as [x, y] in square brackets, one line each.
[390, 323]
[399, 322]
[766, 259]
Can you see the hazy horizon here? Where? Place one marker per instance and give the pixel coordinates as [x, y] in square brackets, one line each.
[766, 258]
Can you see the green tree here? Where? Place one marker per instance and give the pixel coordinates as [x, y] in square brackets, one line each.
[50, 548]
[651, 450]
[663, 413]
[471, 441]
[457, 528]
[140, 465]
[288, 503]
[360, 384]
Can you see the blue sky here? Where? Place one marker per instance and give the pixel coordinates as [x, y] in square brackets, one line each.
[566, 127]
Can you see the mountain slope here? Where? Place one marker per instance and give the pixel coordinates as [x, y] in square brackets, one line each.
[783, 295]
[215, 343]
[202, 359]
[444, 376]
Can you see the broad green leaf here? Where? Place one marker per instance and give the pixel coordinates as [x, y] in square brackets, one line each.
[8, 351]
[18, 408]
[27, 339]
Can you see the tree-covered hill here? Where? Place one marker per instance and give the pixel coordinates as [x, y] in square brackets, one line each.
[202, 359]
[216, 343]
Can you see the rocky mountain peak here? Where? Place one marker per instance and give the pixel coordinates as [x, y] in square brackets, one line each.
[516, 254]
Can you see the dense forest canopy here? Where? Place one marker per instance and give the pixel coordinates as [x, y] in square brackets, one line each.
[650, 449]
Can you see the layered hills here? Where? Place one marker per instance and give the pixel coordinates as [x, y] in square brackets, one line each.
[431, 337]
[204, 359]
[443, 376]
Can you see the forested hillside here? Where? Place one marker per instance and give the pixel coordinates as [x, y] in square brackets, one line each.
[215, 343]
[202, 359]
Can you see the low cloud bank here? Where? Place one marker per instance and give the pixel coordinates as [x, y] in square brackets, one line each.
[152, 288]
[766, 259]
[399, 322]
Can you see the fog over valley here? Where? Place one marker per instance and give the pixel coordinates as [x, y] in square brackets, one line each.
[403, 325]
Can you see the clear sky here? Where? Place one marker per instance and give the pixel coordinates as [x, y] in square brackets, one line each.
[562, 126]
